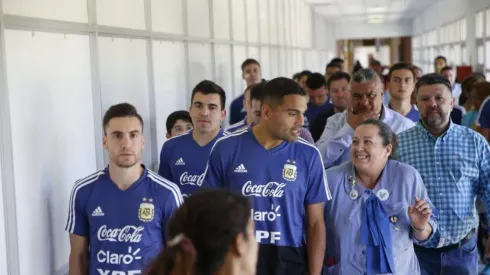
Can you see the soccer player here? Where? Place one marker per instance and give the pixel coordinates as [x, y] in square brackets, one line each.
[283, 175]
[183, 158]
[178, 122]
[120, 212]
[252, 105]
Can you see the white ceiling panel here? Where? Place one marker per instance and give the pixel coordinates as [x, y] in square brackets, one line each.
[361, 10]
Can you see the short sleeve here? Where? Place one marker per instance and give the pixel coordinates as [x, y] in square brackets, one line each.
[77, 222]
[317, 190]
[164, 169]
[172, 203]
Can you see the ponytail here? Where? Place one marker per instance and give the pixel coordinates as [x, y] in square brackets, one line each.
[178, 258]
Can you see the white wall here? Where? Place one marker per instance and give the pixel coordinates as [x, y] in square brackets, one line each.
[361, 30]
[439, 14]
[66, 63]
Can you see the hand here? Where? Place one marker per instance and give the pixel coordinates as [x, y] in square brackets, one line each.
[354, 118]
[419, 213]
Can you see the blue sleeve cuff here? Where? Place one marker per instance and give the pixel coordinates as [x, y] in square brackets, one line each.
[433, 224]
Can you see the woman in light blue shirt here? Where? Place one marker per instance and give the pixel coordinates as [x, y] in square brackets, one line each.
[379, 208]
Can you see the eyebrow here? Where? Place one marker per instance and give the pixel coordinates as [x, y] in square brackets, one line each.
[120, 132]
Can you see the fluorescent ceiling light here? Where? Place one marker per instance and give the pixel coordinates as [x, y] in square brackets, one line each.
[378, 9]
[375, 19]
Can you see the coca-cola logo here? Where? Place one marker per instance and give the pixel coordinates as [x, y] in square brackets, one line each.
[271, 189]
[186, 179]
[127, 234]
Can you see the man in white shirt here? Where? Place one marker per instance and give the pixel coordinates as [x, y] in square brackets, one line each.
[367, 103]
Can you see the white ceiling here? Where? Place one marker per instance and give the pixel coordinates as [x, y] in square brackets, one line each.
[373, 11]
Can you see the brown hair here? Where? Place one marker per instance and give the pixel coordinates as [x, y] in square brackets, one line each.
[201, 232]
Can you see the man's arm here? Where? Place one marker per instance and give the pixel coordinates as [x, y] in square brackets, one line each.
[78, 255]
[315, 238]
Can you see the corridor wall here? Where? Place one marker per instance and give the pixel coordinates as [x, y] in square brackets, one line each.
[63, 63]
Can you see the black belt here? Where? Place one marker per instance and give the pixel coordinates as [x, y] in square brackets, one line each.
[451, 246]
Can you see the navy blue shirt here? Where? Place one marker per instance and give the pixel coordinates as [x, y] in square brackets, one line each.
[237, 112]
[125, 229]
[413, 115]
[281, 182]
[313, 111]
[183, 161]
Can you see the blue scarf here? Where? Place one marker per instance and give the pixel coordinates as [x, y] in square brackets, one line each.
[376, 235]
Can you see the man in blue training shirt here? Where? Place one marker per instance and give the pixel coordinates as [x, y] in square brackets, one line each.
[252, 105]
[252, 74]
[117, 216]
[183, 158]
[283, 175]
[401, 85]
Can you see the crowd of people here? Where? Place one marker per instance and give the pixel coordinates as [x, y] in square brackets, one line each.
[321, 173]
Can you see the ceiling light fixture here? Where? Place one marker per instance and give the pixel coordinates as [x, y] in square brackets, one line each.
[377, 9]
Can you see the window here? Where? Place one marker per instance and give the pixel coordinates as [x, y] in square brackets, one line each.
[488, 22]
[479, 24]
[487, 46]
[481, 55]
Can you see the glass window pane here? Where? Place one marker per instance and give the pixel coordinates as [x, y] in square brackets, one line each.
[464, 56]
[479, 24]
[488, 23]
[487, 63]
[481, 55]
[463, 30]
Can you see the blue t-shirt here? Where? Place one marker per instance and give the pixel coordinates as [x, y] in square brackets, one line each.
[281, 182]
[125, 229]
[313, 111]
[483, 120]
[413, 115]
[183, 161]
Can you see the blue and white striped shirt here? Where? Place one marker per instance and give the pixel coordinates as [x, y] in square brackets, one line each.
[455, 168]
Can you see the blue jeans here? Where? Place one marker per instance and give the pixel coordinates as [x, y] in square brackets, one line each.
[458, 261]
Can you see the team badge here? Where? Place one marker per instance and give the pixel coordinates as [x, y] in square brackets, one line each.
[289, 172]
[146, 213]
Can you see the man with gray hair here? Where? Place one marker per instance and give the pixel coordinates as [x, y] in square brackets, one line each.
[367, 103]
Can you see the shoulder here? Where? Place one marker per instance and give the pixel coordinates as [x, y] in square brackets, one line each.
[400, 168]
[164, 186]
[177, 139]
[398, 122]
[468, 134]
[86, 183]
[237, 101]
[337, 120]
[235, 127]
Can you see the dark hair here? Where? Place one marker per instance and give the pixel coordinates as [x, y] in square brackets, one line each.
[304, 73]
[315, 81]
[296, 76]
[337, 60]
[482, 90]
[440, 57]
[249, 61]
[402, 66]
[177, 115]
[386, 134]
[338, 76]
[256, 90]
[467, 84]
[276, 89]
[433, 79]
[208, 87]
[333, 65]
[446, 68]
[120, 110]
[207, 223]
[374, 62]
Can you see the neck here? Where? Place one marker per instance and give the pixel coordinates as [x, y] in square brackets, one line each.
[368, 180]
[401, 106]
[264, 138]
[228, 268]
[204, 138]
[125, 177]
[338, 110]
[436, 131]
[249, 121]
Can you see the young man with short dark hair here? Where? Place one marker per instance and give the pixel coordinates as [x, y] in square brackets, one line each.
[123, 209]
[183, 158]
[284, 177]
[317, 92]
[401, 85]
[252, 74]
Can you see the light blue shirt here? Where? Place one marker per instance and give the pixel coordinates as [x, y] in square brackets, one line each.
[336, 139]
[343, 217]
[456, 169]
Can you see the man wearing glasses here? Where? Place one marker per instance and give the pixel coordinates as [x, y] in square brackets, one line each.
[367, 103]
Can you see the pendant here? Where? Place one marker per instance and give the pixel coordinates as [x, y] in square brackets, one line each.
[353, 194]
[383, 194]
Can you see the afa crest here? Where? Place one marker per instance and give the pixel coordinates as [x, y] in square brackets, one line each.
[289, 171]
[146, 212]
